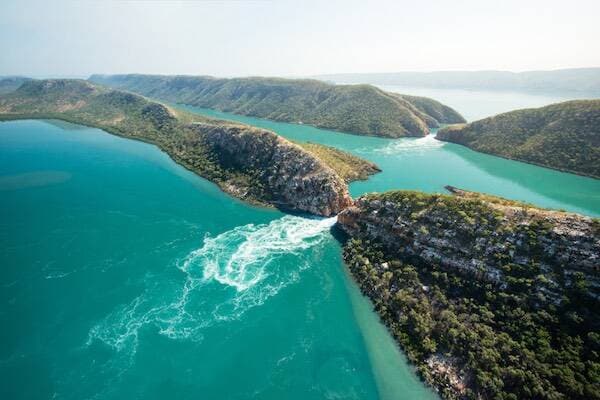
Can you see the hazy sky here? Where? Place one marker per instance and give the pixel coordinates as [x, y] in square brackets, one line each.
[225, 38]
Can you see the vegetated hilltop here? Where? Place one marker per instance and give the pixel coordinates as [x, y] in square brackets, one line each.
[359, 109]
[11, 83]
[563, 136]
[490, 298]
[250, 163]
[348, 166]
[583, 81]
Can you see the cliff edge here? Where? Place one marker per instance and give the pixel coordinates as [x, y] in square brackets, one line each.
[490, 298]
[253, 164]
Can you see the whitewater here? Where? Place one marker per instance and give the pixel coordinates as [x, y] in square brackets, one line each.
[229, 274]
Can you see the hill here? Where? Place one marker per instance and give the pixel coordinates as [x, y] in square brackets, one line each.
[359, 109]
[563, 136]
[250, 163]
[490, 298]
[11, 83]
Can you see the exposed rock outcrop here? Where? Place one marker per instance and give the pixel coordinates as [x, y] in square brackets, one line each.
[293, 178]
[253, 164]
[490, 298]
[477, 234]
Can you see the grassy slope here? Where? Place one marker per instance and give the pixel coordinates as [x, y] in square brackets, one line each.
[348, 166]
[360, 109]
[136, 117]
[563, 136]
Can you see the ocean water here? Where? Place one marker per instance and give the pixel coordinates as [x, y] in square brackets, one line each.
[124, 275]
[428, 165]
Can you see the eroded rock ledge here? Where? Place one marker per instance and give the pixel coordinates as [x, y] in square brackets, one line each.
[475, 234]
[253, 164]
[490, 298]
[291, 177]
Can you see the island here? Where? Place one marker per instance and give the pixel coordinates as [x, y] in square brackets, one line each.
[563, 136]
[250, 163]
[490, 298]
[358, 109]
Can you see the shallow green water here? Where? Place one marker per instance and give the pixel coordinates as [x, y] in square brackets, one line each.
[126, 276]
[428, 164]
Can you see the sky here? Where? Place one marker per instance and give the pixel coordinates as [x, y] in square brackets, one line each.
[294, 38]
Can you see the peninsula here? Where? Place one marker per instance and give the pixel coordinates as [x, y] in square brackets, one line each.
[253, 164]
[358, 109]
[563, 136]
[490, 298]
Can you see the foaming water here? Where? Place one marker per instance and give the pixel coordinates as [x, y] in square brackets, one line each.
[406, 146]
[241, 258]
[230, 274]
[429, 165]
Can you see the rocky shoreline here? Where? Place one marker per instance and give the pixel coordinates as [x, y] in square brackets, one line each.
[253, 164]
[468, 283]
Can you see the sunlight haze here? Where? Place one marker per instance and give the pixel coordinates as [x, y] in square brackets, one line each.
[287, 38]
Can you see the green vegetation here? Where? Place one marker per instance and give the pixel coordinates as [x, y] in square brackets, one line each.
[483, 308]
[178, 133]
[433, 112]
[360, 109]
[346, 165]
[564, 136]
[121, 113]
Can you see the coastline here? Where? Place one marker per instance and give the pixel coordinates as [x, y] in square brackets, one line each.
[115, 132]
[523, 161]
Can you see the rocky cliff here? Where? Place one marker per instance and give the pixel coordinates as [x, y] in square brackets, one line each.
[253, 164]
[490, 298]
[291, 177]
[476, 234]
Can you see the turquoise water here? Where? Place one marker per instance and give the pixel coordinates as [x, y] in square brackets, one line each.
[126, 276]
[428, 164]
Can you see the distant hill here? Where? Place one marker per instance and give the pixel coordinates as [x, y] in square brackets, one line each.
[250, 163]
[490, 298]
[563, 136]
[11, 83]
[577, 80]
[359, 109]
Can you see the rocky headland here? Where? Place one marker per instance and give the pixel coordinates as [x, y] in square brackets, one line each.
[253, 164]
[490, 298]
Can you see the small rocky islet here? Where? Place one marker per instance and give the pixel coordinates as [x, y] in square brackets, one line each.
[490, 298]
